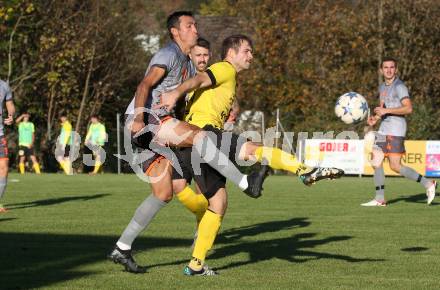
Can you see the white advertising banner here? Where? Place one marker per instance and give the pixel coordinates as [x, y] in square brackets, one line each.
[344, 154]
[433, 158]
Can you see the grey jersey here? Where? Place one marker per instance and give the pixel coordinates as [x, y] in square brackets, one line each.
[5, 95]
[178, 67]
[392, 97]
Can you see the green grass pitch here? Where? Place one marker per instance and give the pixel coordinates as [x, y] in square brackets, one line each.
[60, 228]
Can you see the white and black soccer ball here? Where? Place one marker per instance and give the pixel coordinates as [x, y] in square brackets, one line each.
[351, 108]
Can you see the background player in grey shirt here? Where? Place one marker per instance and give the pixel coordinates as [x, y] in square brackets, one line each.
[395, 104]
[5, 97]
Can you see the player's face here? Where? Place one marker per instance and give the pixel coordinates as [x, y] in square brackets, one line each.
[200, 57]
[388, 70]
[187, 31]
[243, 57]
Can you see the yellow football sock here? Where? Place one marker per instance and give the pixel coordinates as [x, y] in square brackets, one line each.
[66, 167]
[97, 166]
[37, 168]
[203, 206]
[196, 203]
[208, 229]
[21, 166]
[278, 159]
[62, 165]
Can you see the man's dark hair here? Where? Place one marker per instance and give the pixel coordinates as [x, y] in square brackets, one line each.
[388, 58]
[203, 43]
[234, 42]
[94, 116]
[174, 20]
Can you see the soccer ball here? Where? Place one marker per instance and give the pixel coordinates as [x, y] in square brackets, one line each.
[351, 108]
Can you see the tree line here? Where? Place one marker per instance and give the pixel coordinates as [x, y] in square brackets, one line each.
[309, 52]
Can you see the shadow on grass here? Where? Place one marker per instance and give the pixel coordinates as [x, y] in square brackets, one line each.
[414, 249]
[7, 219]
[52, 201]
[31, 260]
[233, 234]
[418, 198]
[295, 249]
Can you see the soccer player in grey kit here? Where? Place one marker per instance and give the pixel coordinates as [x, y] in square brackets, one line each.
[5, 97]
[395, 104]
[168, 68]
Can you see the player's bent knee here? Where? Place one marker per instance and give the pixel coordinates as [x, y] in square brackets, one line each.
[4, 162]
[377, 159]
[395, 167]
[247, 151]
[219, 202]
[179, 185]
[163, 195]
[198, 135]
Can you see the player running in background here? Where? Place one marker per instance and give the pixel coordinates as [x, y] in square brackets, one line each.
[26, 140]
[95, 139]
[5, 98]
[167, 69]
[64, 142]
[208, 108]
[395, 104]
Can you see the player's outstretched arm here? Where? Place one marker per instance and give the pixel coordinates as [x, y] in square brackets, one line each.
[11, 111]
[168, 99]
[405, 109]
[154, 75]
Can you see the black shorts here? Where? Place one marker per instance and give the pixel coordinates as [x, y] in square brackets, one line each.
[61, 151]
[184, 162]
[25, 151]
[207, 178]
[390, 145]
[143, 143]
[67, 150]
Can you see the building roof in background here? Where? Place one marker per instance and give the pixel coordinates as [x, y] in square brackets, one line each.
[216, 28]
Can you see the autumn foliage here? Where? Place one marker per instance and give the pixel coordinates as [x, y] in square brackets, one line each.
[307, 53]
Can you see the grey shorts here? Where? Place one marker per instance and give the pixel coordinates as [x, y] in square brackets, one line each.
[390, 145]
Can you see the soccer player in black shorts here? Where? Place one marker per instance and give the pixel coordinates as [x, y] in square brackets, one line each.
[208, 109]
[167, 69]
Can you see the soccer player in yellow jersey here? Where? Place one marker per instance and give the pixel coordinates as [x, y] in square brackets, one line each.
[65, 140]
[96, 138]
[26, 140]
[168, 68]
[196, 203]
[208, 108]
